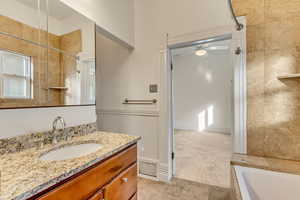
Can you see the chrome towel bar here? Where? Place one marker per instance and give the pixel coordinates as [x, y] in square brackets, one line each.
[127, 101]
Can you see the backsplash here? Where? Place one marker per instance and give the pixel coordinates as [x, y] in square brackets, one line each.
[35, 140]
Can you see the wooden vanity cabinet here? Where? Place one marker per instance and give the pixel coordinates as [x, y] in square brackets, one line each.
[98, 196]
[112, 179]
[124, 186]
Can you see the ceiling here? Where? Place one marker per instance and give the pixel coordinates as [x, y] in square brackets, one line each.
[56, 8]
[222, 45]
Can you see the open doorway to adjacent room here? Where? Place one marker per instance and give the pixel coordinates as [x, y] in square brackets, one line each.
[203, 110]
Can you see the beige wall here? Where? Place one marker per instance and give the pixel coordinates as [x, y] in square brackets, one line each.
[273, 40]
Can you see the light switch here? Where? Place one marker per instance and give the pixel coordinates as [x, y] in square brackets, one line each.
[153, 88]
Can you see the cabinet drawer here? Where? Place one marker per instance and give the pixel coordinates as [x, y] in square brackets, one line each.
[124, 186]
[97, 196]
[86, 184]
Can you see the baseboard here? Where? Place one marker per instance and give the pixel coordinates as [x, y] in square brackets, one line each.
[148, 177]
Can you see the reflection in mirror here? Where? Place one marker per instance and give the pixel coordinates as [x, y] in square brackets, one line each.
[47, 55]
[22, 67]
[75, 65]
[19, 74]
[30, 24]
[73, 82]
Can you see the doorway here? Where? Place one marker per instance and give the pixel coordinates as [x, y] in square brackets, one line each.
[202, 90]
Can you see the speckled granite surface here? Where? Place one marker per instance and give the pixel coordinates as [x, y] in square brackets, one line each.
[23, 142]
[23, 174]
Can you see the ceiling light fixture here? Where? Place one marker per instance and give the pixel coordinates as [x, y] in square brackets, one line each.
[201, 52]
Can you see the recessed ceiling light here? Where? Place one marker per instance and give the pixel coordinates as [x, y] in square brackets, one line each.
[201, 52]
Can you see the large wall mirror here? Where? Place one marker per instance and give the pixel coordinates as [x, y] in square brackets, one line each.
[47, 55]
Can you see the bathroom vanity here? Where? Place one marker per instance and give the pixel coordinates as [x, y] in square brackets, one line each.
[47, 53]
[115, 179]
[109, 172]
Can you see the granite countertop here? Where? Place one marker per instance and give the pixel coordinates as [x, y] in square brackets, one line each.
[24, 175]
[273, 164]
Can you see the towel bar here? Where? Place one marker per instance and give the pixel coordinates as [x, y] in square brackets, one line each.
[127, 101]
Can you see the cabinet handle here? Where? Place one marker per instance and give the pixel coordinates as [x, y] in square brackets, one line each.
[125, 180]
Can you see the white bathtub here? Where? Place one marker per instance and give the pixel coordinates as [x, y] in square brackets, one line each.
[258, 184]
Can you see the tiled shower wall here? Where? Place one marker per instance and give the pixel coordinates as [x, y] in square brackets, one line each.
[273, 49]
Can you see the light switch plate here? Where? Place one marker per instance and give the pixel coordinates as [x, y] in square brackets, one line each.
[153, 88]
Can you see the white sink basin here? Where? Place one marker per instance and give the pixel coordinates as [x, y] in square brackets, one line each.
[70, 152]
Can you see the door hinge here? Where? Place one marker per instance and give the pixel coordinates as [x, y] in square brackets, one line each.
[238, 51]
[171, 66]
[173, 155]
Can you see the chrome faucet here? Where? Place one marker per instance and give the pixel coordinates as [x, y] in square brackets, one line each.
[57, 120]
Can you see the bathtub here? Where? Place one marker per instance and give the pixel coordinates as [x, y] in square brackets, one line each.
[258, 184]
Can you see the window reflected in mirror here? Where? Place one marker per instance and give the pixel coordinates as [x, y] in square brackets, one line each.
[15, 70]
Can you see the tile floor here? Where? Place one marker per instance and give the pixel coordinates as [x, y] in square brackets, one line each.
[203, 157]
[179, 189]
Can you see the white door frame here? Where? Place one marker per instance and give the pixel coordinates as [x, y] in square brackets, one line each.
[240, 90]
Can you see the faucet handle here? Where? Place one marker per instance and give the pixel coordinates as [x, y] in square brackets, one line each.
[56, 120]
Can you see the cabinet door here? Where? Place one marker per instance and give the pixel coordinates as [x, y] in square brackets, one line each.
[124, 186]
[97, 196]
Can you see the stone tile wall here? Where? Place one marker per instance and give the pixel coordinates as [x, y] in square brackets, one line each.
[273, 49]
